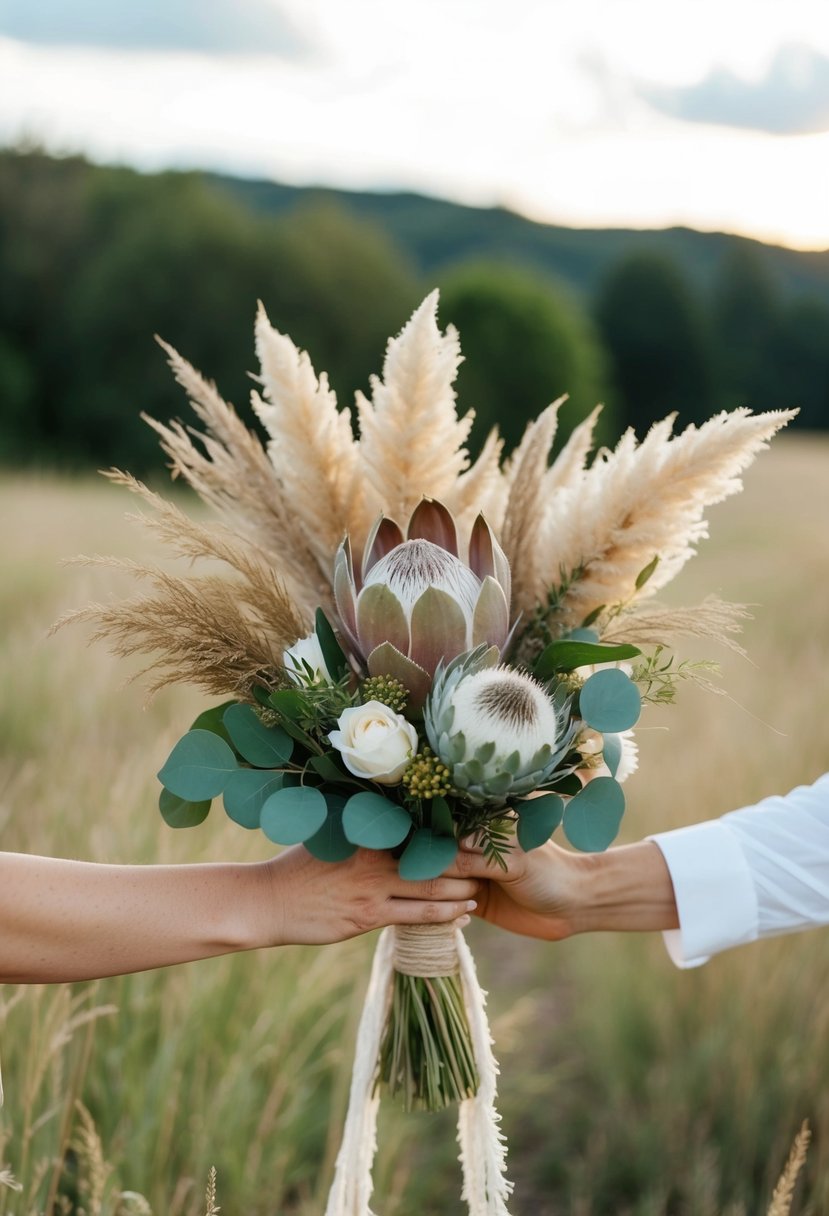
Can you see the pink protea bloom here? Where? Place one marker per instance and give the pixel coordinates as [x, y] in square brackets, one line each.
[416, 601]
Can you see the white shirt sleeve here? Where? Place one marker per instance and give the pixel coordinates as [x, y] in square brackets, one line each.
[756, 872]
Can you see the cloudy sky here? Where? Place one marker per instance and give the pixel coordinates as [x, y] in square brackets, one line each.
[713, 113]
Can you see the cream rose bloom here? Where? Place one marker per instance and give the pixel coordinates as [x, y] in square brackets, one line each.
[374, 742]
[307, 650]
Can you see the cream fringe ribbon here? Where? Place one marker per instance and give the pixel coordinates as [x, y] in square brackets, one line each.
[422, 950]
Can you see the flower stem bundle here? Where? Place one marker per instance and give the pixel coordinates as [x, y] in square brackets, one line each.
[426, 1056]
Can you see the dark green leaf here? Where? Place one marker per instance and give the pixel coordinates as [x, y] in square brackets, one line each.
[211, 719]
[441, 815]
[643, 575]
[264, 746]
[288, 703]
[610, 701]
[567, 785]
[538, 818]
[567, 654]
[290, 706]
[589, 620]
[198, 767]
[328, 768]
[179, 813]
[247, 791]
[592, 818]
[330, 842]
[427, 855]
[372, 821]
[291, 816]
[332, 651]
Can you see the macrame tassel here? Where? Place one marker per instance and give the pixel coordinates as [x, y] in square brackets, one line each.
[351, 1190]
[482, 1143]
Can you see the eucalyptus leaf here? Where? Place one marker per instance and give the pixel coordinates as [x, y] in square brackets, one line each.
[292, 816]
[610, 701]
[566, 654]
[261, 745]
[427, 855]
[612, 752]
[198, 767]
[179, 813]
[538, 818]
[592, 818]
[247, 791]
[212, 719]
[332, 651]
[374, 822]
[330, 843]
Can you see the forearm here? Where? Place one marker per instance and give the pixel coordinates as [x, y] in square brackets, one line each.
[626, 889]
[73, 920]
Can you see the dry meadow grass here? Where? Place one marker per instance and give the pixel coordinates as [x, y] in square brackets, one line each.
[628, 1088]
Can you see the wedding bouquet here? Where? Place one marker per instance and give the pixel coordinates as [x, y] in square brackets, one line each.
[416, 649]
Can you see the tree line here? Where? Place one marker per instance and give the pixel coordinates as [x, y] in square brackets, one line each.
[95, 260]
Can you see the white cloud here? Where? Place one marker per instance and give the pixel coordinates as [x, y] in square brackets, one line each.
[792, 98]
[212, 26]
[533, 105]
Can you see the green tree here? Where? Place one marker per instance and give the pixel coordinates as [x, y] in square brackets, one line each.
[525, 342]
[654, 328]
[95, 261]
[747, 316]
[803, 362]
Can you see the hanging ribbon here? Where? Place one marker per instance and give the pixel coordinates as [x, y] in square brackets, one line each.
[415, 951]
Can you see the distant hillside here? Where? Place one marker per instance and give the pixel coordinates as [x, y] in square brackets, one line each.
[434, 232]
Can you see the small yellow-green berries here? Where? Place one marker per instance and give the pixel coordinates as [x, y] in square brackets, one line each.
[387, 690]
[427, 777]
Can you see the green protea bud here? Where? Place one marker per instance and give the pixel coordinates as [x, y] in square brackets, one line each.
[387, 690]
[427, 776]
[498, 731]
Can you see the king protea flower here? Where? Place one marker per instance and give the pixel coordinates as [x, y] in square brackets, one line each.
[416, 601]
[497, 730]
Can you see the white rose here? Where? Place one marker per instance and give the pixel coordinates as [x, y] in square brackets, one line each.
[306, 650]
[374, 742]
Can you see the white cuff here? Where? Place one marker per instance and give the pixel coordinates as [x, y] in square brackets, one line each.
[715, 896]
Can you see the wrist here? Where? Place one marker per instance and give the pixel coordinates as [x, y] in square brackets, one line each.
[627, 889]
[250, 912]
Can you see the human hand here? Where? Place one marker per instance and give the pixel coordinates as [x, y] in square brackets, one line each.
[535, 895]
[551, 893]
[313, 902]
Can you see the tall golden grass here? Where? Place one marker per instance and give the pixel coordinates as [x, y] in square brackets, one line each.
[628, 1088]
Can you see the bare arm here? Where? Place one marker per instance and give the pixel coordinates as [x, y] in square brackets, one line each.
[66, 920]
[552, 893]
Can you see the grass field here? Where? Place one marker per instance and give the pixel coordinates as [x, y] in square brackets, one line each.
[628, 1088]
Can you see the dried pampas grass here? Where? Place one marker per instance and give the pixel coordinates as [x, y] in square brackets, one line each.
[577, 535]
[781, 1200]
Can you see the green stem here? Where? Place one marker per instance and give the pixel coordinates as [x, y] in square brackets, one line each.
[426, 1054]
